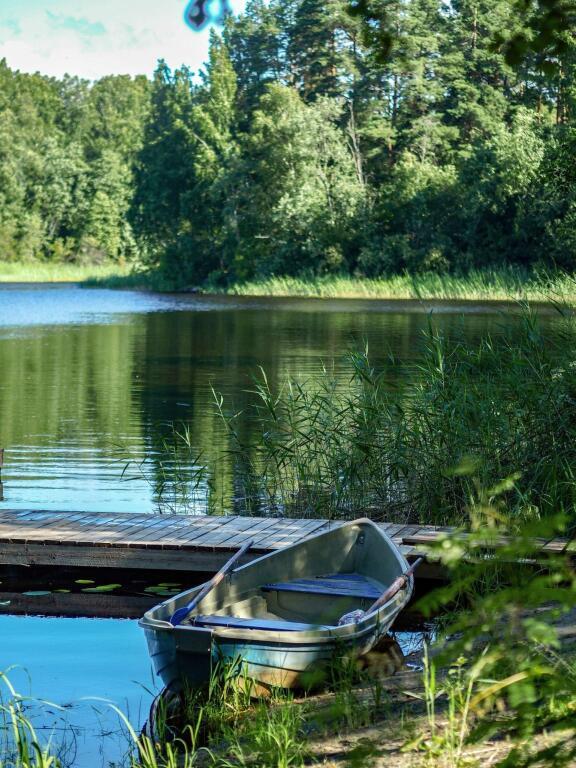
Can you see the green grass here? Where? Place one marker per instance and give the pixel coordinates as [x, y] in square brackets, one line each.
[507, 284]
[45, 272]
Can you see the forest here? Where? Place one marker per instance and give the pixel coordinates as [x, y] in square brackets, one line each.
[306, 147]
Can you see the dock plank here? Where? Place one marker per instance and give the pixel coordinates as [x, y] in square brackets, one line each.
[199, 543]
[192, 530]
[256, 532]
[289, 532]
[393, 530]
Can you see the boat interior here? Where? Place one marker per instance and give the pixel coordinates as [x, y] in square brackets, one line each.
[306, 586]
[297, 605]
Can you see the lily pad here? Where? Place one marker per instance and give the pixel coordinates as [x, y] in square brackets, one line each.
[162, 591]
[62, 590]
[37, 593]
[165, 584]
[103, 588]
[84, 581]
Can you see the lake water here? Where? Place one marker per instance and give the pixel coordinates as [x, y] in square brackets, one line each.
[92, 379]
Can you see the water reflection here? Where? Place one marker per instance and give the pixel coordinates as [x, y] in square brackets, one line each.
[90, 380]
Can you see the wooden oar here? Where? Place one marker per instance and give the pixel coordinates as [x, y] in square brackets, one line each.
[354, 616]
[179, 615]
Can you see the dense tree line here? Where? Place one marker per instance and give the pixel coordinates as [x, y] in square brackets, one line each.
[67, 157]
[301, 148]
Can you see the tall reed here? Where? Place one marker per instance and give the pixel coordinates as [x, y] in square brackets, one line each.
[175, 471]
[58, 272]
[506, 405]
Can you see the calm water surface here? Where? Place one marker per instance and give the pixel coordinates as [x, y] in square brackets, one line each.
[92, 379]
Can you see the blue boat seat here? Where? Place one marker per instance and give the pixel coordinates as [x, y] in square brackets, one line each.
[336, 585]
[272, 625]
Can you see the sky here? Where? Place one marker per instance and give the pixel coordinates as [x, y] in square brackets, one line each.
[92, 38]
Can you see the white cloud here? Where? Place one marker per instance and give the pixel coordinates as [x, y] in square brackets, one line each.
[92, 38]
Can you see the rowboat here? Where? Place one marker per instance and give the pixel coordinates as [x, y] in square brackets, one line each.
[279, 614]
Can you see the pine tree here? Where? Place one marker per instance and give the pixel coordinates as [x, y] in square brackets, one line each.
[478, 85]
[254, 43]
[211, 202]
[323, 49]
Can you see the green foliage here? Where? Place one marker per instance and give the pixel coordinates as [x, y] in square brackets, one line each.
[510, 674]
[322, 49]
[511, 283]
[302, 203]
[184, 206]
[66, 166]
[58, 271]
[224, 725]
[444, 743]
[328, 157]
[412, 137]
[505, 406]
[271, 738]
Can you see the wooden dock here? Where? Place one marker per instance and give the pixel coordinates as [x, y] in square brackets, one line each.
[199, 544]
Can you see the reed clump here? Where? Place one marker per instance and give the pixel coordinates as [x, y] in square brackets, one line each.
[504, 284]
[503, 407]
[176, 472]
[233, 722]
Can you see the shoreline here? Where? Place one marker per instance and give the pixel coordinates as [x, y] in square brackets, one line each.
[411, 305]
[495, 287]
